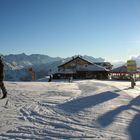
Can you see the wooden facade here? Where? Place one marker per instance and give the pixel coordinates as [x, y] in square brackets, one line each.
[79, 68]
[72, 64]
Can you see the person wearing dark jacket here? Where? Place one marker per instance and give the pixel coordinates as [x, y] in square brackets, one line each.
[2, 78]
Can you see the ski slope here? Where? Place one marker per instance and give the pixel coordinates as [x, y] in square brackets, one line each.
[86, 109]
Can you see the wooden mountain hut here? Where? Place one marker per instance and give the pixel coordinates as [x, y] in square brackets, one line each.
[79, 68]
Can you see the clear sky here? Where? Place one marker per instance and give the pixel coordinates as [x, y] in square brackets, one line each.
[100, 28]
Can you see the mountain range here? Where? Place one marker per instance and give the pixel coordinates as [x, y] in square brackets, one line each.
[17, 65]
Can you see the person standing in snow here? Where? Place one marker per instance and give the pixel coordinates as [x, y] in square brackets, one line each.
[132, 81]
[2, 78]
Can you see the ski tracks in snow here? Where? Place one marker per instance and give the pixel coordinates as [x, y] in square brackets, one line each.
[80, 110]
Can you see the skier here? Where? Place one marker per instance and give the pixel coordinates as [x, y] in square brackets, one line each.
[2, 78]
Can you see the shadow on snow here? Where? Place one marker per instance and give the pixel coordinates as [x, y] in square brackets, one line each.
[80, 104]
[134, 126]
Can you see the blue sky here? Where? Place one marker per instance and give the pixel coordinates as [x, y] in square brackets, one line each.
[100, 28]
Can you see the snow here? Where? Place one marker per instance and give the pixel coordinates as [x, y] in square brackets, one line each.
[84, 109]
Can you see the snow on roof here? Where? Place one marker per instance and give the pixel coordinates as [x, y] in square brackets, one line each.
[93, 67]
[120, 69]
[73, 58]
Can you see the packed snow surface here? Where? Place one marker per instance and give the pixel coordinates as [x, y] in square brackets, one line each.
[86, 109]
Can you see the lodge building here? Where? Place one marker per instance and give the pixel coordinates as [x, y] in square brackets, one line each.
[80, 68]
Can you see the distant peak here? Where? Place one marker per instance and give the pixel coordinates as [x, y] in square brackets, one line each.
[23, 54]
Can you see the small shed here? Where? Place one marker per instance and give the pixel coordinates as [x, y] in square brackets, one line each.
[120, 70]
[122, 73]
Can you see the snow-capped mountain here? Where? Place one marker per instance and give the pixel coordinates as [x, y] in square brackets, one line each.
[23, 60]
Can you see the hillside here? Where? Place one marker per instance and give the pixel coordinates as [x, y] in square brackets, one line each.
[88, 109]
[23, 60]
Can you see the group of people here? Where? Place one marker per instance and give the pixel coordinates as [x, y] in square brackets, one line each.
[4, 91]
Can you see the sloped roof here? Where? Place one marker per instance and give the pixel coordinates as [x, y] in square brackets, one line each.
[66, 71]
[121, 69]
[74, 59]
[92, 67]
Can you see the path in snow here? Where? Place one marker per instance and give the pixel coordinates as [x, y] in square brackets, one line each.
[87, 109]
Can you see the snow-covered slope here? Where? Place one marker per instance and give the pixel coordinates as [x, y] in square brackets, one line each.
[89, 109]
